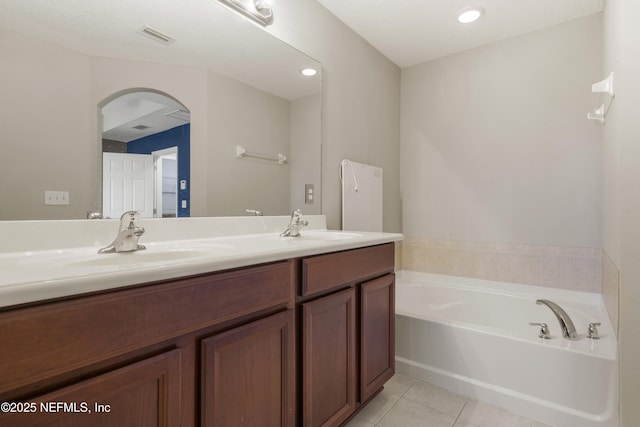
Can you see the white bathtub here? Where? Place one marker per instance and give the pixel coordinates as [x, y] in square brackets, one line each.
[473, 337]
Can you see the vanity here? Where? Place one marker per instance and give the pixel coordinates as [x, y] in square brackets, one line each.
[223, 330]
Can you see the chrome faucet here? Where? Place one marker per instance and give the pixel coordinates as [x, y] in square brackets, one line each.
[128, 235]
[295, 224]
[94, 215]
[568, 329]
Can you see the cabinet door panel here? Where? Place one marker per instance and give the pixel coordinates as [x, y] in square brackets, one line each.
[329, 359]
[146, 393]
[377, 340]
[248, 374]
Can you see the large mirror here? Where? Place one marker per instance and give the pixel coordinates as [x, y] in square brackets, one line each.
[63, 62]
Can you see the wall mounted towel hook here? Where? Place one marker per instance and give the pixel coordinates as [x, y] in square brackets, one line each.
[604, 87]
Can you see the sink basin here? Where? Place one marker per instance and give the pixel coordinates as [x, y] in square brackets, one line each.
[144, 257]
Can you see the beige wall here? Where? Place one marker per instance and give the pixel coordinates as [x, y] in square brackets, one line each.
[45, 105]
[360, 104]
[60, 91]
[306, 148]
[621, 230]
[495, 145]
[360, 108]
[241, 115]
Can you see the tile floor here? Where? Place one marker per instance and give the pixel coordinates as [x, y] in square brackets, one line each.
[408, 402]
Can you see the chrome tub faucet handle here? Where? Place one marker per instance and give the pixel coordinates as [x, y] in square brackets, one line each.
[544, 330]
[592, 332]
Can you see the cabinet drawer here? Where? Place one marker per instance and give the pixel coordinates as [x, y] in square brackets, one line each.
[53, 339]
[325, 272]
[143, 393]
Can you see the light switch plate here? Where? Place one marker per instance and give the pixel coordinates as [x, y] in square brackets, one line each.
[308, 194]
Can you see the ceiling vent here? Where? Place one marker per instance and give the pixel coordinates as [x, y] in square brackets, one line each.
[140, 127]
[156, 35]
[180, 115]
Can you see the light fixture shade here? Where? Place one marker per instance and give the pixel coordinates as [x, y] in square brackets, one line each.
[256, 10]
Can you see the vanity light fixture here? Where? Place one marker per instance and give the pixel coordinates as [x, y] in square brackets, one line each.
[308, 72]
[470, 14]
[257, 10]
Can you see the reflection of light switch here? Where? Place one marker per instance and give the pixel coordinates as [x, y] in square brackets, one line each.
[183, 184]
[308, 194]
[56, 197]
[184, 204]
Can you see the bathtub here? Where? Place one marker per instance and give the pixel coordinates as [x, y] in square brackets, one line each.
[473, 337]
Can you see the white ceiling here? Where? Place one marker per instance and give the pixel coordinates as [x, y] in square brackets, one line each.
[139, 114]
[207, 35]
[410, 32]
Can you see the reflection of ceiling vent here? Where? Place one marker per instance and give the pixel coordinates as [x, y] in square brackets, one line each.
[140, 127]
[180, 115]
[156, 35]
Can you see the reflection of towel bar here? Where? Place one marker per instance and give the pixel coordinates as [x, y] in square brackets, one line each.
[242, 152]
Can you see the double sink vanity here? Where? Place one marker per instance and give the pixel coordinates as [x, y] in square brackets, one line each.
[218, 322]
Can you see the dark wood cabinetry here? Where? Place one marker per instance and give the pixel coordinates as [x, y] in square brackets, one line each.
[248, 374]
[298, 342]
[137, 350]
[377, 339]
[347, 328]
[329, 359]
[143, 393]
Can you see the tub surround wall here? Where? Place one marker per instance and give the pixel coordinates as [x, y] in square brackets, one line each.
[570, 268]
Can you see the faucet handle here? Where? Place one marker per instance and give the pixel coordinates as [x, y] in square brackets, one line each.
[592, 332]
[544, 330]
[129, 219]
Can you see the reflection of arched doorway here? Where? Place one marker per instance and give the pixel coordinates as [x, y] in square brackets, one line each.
[145, 151]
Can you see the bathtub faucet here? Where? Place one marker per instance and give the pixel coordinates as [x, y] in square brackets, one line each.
[568, 329]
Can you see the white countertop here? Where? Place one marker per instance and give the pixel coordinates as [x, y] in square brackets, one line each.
[41, 269]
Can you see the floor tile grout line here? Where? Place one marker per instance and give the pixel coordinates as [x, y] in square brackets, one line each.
[426, 405]
[401, 395]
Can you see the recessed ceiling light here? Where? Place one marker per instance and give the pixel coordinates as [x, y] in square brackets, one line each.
[469, 15]
[309, 72]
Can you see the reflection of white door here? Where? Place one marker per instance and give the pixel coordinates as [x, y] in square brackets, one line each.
[166, 182]
[127, 184]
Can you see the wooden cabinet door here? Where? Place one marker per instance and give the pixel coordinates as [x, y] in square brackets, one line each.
[377, 339]
[146, 393]
[248, 374]
[329, 359]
